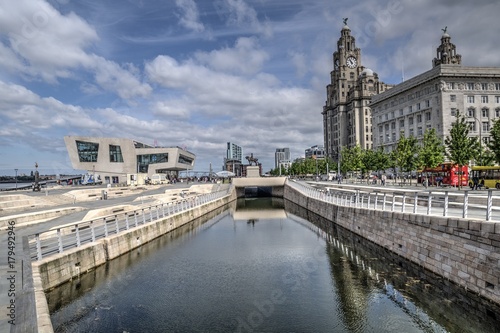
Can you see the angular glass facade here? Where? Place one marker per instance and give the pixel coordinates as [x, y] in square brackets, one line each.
[185, 160]
[143, 161]
[87, 151]
[115, 154]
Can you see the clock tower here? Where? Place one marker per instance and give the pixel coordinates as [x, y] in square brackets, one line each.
[346, 114]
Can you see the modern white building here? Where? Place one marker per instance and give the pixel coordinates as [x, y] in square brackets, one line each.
[113, 159]
[433, 98]
[315, 152]
[234, 152]
[282, 158]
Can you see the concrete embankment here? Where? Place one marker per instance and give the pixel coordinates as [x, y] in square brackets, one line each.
[55, 270]
[465, 251]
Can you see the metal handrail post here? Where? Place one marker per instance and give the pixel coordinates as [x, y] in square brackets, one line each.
[466, 204]
[489, 205]
[415, 203]
[116, 224]
[429, 203]
[59, 240]
[77, 231]
[38, 247]
[92, 231]
[445, 208]
[105, 227]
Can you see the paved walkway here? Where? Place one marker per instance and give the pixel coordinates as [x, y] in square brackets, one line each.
[11, 253]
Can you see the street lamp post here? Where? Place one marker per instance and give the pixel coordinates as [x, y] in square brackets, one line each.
[16, 177]
[480, 141]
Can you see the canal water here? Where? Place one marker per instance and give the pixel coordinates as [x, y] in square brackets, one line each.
[265, 265]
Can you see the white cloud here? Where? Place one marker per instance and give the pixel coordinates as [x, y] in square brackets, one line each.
[239, 14]
[112, 77]
[189, 17]
[245, 58]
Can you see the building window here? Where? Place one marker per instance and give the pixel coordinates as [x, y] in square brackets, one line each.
[400, 112]
[143, 161]
[351, 75]
[453, 111]
[484, 99]
[497, 86]
[115, 154]
[402, 123]
[484, 86]
[419, 118]
[485, 112]
[410, 108]
[419, 131]
[453, 98]
[470, 99]
[393, 125]
[386, 127]
[428, 103]
[87, 151]
[427, 116]
[451, 85]
[469, 86]
[486, 126]
[418, 106]
[392, 114]
[471, 112]
[410, 120]
[394, 136]
[497, 99]
[411, 132]
[497, 112]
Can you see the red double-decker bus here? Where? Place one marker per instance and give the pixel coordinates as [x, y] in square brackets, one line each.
[446, 174]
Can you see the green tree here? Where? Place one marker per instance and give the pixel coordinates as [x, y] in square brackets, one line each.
[432, 151]
[350, 159]
[407, 154]
[368, 161]
[382, 160]
[494, 144]
[460, 148]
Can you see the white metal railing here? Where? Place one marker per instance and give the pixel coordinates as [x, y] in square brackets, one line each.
[74, 235]
[437, 203]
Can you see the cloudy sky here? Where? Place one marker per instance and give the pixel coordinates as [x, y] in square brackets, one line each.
[200, 73]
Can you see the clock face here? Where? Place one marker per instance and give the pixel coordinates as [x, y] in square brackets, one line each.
[351, 62]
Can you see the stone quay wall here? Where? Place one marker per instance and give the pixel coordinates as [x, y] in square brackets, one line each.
[465, 251]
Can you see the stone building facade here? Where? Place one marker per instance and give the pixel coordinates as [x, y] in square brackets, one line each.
[433, 98]
[347, 119]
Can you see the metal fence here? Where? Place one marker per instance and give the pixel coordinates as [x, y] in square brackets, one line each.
[438, 203]
[63, 238]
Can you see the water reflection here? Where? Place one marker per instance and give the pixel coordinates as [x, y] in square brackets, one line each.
[429, 300]
[264, 265]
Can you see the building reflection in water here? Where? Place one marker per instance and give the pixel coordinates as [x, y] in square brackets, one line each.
[358, 266]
